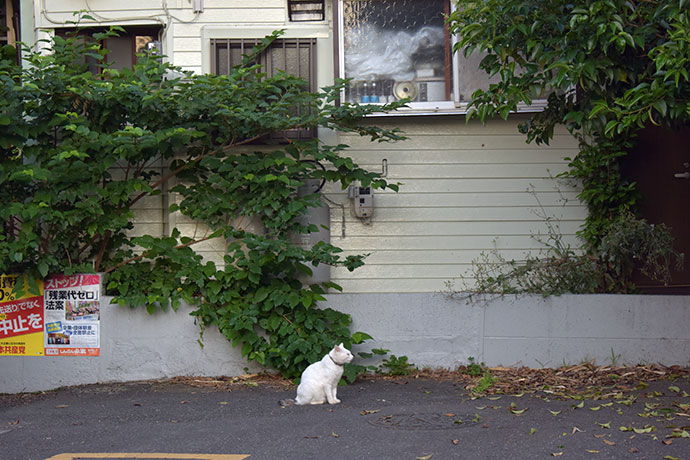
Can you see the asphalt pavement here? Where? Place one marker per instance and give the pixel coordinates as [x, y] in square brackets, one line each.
[406, 418]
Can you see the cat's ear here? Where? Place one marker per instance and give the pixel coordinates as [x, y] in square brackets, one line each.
[338, 347]
[341, 345]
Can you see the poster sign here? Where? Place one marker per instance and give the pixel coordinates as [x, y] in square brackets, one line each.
[72, 315]
[21, 320]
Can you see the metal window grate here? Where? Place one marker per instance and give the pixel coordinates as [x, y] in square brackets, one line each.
[295, 56]
[306, 10]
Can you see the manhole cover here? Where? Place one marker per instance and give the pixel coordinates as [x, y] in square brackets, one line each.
[425, 421]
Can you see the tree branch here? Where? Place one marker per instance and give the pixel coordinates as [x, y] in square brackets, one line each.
[174, 173]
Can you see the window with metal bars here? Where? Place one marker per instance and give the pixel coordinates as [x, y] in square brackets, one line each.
[294, 56]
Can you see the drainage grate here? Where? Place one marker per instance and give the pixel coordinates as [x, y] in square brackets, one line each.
[432, 421]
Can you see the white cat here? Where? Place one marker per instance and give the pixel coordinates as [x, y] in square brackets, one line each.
[319, 382]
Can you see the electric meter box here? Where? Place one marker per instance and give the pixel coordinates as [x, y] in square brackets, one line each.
[362, 201]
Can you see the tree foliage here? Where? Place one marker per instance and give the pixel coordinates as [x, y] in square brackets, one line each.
[606, 68]
[80, 149]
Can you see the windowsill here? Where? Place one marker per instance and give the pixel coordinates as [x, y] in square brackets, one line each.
[451, 108]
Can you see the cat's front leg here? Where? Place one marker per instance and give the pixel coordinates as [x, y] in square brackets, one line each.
[331, 395]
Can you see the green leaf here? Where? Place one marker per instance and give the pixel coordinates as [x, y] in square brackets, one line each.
[359, 337]
[43, 269]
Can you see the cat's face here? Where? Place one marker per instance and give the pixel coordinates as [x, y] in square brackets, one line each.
[341, 354]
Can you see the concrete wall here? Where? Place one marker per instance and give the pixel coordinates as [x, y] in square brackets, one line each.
[431, 329]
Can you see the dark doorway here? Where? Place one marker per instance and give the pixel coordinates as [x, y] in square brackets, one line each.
[660, 164]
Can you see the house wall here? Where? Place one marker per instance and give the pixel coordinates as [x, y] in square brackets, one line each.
[465, 188]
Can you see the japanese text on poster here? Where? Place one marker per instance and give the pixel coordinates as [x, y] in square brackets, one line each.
[21, 320]
[72, 315]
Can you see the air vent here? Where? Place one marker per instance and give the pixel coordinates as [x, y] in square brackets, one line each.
[306, 10]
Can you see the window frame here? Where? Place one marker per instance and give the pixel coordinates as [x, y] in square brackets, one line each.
[246, 44]
[452, 106]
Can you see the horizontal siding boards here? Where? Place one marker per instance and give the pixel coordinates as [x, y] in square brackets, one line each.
[428, 271]
[479, 142]
[465, 189]
[235, 4]
[389, 199]
[436, 185]
[402, 171]
[384, 216]
[390, 285]
[214, 10]
[386, 249]
[422, 230]
[102, 6]
[439, 256]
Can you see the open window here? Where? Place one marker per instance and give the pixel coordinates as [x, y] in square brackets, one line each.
[9, 24]
[123, 49]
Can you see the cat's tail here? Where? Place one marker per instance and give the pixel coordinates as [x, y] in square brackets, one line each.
[287, 402]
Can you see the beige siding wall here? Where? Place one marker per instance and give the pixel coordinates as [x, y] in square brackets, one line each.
[465, 188]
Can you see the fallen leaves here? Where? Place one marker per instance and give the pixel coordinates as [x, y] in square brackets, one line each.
[604, 425]
[568, 380]
[564, 381]
[515, 411]
[228, 383]
[369, 412]
[679, 433]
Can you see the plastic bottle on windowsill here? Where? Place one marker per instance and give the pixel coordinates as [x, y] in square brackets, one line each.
[374, 99]
[365, 93]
